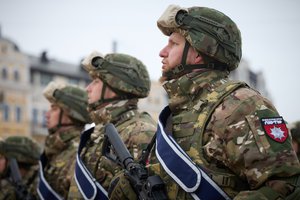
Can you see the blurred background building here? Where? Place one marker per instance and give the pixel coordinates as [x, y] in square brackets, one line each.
[23, 78]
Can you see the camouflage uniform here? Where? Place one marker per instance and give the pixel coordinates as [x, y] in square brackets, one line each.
[60, 149]
[295, 131]
[219, 122]
[6, 187]
[61, 144]
[233, 145]
[7, 190]
[129, 79]
[26, 152]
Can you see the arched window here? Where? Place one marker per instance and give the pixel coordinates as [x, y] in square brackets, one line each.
[5, 112]
[35, 116]
[4, 73]
[18, 114]
[16, 75]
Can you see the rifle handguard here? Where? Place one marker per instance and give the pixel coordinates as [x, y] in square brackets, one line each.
[147, 187]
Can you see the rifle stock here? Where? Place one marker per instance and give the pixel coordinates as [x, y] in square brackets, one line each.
[146, 187]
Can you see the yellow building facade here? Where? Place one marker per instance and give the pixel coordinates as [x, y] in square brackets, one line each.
[14, 90]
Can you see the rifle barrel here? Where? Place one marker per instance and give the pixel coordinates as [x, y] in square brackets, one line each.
[119, 147]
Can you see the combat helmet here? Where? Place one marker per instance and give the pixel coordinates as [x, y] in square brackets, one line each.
[124, 74]
[209, 31]
[71, 99]
[22, 148]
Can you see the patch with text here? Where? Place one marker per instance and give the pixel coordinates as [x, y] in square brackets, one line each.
[275, 128]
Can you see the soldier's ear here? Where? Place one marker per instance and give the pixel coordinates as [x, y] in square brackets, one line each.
[194, 57]
[198, 59]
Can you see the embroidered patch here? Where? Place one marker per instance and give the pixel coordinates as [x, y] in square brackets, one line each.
[275, 128]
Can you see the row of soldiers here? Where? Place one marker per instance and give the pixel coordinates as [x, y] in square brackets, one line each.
[118, 81]
[26, 152]
[217, 138]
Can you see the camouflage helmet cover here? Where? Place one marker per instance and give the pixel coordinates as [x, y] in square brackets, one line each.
[22, 148]
[209, 31]
[72, 99]
[124, 74]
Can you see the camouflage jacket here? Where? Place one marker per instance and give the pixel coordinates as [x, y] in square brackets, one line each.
[29, 182]
[228, 139]
[136, 130]
[7, 190]
[60, 150]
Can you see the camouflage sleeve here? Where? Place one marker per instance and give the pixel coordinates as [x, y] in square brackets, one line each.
[241, 143]
[138, 134]
[59, 170]
[65, 176]
[7, 190]
[31, 180]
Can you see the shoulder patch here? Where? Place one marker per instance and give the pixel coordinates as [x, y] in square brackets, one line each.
[275, 128]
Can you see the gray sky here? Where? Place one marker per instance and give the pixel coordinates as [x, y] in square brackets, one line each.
[71, 29]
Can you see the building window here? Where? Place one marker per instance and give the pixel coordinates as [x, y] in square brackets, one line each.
[45, 79]
[44, 119]
[16, 75]
[5, 112]
[32, 76]
[4, 74]
[74, 81]
[35, 116]
[18, 114]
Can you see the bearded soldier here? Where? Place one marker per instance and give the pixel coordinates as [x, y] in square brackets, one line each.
[217, 138]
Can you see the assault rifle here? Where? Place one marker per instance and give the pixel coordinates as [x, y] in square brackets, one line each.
[21, 190]
[146, 187]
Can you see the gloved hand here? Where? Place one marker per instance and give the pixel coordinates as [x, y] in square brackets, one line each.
[120, 188]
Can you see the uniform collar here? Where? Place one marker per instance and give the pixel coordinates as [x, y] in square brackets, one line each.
[114, 111]
[60, 140]
[183, 91]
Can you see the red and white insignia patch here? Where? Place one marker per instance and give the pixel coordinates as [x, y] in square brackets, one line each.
[275, 128]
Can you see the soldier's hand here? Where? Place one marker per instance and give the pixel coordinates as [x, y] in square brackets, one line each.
[120, 188]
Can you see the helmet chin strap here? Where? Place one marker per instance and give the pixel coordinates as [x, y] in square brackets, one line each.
[102, 100]
[183, 68]
[59, 124]
[179, 70]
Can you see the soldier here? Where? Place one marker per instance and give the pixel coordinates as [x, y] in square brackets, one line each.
[66, 119]
[295, 131]
[119, 80]
[217, 138]
[19, 157]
